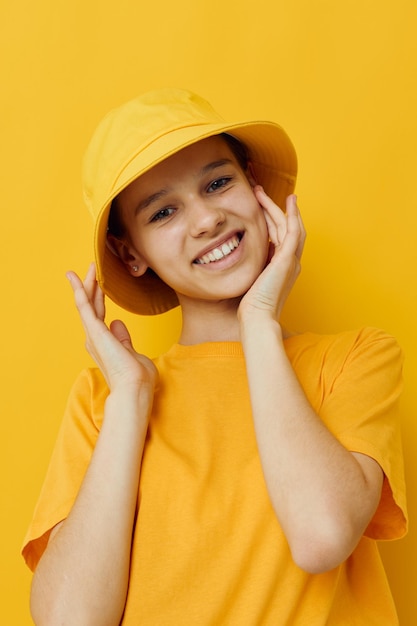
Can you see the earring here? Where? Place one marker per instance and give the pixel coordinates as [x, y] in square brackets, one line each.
[135, 268]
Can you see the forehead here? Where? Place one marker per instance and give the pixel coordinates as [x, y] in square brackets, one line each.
[188, 162]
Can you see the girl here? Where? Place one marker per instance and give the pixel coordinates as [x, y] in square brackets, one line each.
[243, 477]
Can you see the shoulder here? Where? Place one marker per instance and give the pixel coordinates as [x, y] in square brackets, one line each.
[352, 363]
[345, 347]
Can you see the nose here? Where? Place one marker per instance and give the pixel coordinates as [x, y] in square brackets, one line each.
[205, 218]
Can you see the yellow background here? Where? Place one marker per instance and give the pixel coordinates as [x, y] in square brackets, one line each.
[339, 76]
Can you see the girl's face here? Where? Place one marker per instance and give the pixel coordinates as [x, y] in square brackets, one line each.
[195, 221]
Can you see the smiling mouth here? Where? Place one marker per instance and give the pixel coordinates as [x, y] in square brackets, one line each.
[219, 253]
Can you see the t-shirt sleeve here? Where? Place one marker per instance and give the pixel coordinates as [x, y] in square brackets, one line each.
[361, 408]
[70, 458]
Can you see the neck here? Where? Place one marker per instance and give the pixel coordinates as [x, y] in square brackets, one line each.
[209, 321]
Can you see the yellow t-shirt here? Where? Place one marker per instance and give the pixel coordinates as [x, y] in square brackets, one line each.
[207, 548]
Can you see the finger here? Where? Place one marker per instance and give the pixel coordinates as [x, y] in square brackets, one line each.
[267, 203]
[288, 234]
[90, 282]
[98, 298]
[99, 304]
[274, 216]
[82, 302]
[292, 209]
[94, 292]
[120, 331]
[292, 244]
[300, 248]
[272, 229]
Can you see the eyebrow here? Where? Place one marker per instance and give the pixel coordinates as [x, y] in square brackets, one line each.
[212, 166]
[150, 199]
[163, 192]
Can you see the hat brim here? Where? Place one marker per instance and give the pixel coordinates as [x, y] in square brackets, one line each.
[274, 161]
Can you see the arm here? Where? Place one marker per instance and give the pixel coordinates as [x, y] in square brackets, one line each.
[324, 496]
[82, 578]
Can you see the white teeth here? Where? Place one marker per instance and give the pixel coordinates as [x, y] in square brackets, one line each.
[218, 253]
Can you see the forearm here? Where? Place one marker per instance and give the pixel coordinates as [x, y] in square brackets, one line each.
[82, 577]
[321, 495]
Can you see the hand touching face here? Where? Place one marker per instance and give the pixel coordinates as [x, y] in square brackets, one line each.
[287, 236]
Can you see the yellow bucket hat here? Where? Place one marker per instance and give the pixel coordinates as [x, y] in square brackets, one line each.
[140, 134]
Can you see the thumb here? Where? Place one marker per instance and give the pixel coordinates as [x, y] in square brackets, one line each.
[119, 330]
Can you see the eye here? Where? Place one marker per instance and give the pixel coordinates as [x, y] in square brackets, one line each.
[219, 183]
[162, 214]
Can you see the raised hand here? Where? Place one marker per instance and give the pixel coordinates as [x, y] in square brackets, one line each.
[110, 347]
[83, 575]
[287, 236]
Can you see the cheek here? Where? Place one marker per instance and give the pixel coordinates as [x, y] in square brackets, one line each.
[142, 248]
[158, 249]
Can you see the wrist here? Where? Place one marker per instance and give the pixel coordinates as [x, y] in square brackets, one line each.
[131, 400]
[258, 325]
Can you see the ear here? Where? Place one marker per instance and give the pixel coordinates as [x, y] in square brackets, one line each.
[131, 259]
[250, 174]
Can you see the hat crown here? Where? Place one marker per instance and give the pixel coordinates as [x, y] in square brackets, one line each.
[128, 130]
